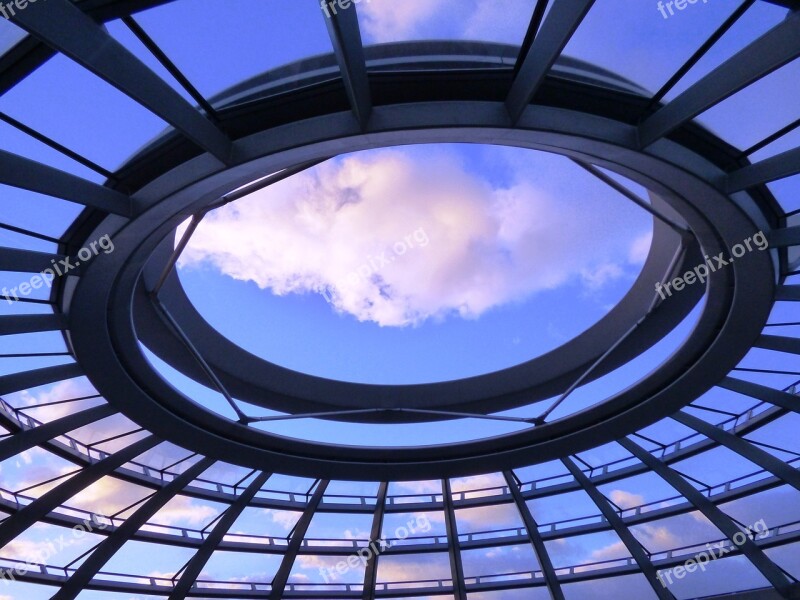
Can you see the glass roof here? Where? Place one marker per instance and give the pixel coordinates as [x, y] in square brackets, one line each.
[630, 473]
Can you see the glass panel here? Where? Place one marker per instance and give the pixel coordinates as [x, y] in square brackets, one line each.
[537, 593]
[593, 551]
[47, 544]
[629, 586]
[161, 561]
[414, 567]
[788, 142]
[37, 212]
[10, 35]
[217, 47]
[721, 576]
[239, 567]
[787, 191]
[13, 140]
[489, 518]
[649, 41]
[759, 18]
[70, 105]
[513, 561]
[126, 37]
[764, 103]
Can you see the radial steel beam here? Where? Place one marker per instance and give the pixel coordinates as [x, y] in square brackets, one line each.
[788, 236]
[762, 392]
[16, 324]
[64, 27]
[550, 577]
[776, 167]
[636, 550]
[26, 439]
[788, 293]
[299, 534]
[742, 447]
[778, 343]
[771, 51]
[210, 544]
[30, 175]
[560, 23]
[348, 47]
[453, 544]
[371, 569]
[710, 511]
[26, 261]
[108, 547]
[36, 377]
[50, 501]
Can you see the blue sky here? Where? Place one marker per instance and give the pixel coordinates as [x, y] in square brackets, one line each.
[421, 333]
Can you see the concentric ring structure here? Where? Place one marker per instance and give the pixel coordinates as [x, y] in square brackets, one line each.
[151, 495]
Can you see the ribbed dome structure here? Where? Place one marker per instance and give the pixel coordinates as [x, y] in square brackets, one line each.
[148, 453]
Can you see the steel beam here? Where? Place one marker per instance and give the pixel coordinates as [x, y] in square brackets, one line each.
[561, 22]
[781, 238]
[210, 544]
[30, 175]
[778, 343]
[17, 324]
[300, 529]
[762, 392]
[50, 501]
[348, 47]
[769, 52]
[108, 547]
[36, 377]
[788, 293]
[742, 447]
[26, 439]
[636, 550]
[64, 27]
[453, 545]
[550, 577]
[371, 570]
[26, 261]
[710, 511]
[776, 167]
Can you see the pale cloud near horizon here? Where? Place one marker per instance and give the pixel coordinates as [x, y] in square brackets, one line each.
[388, 21]
[437, 239]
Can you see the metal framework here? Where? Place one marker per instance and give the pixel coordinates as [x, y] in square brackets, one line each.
[219, 151]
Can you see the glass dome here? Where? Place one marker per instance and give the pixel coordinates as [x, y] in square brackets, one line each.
[584, 384]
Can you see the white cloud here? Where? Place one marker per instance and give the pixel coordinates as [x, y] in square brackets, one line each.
[600, 276]
[286, 519]
[63, 390]
[625, 499]
[640, 248]
[466, 247]
[387, 20]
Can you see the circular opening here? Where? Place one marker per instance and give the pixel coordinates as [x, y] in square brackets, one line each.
[416, 264]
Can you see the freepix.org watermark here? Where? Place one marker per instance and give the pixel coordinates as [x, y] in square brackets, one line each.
[419, 523]
[48, 549]
[333, 6]
[701, 272]
[9, 9]
[666, 7]
[374, 264]
[58, 268]
[718, 550]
